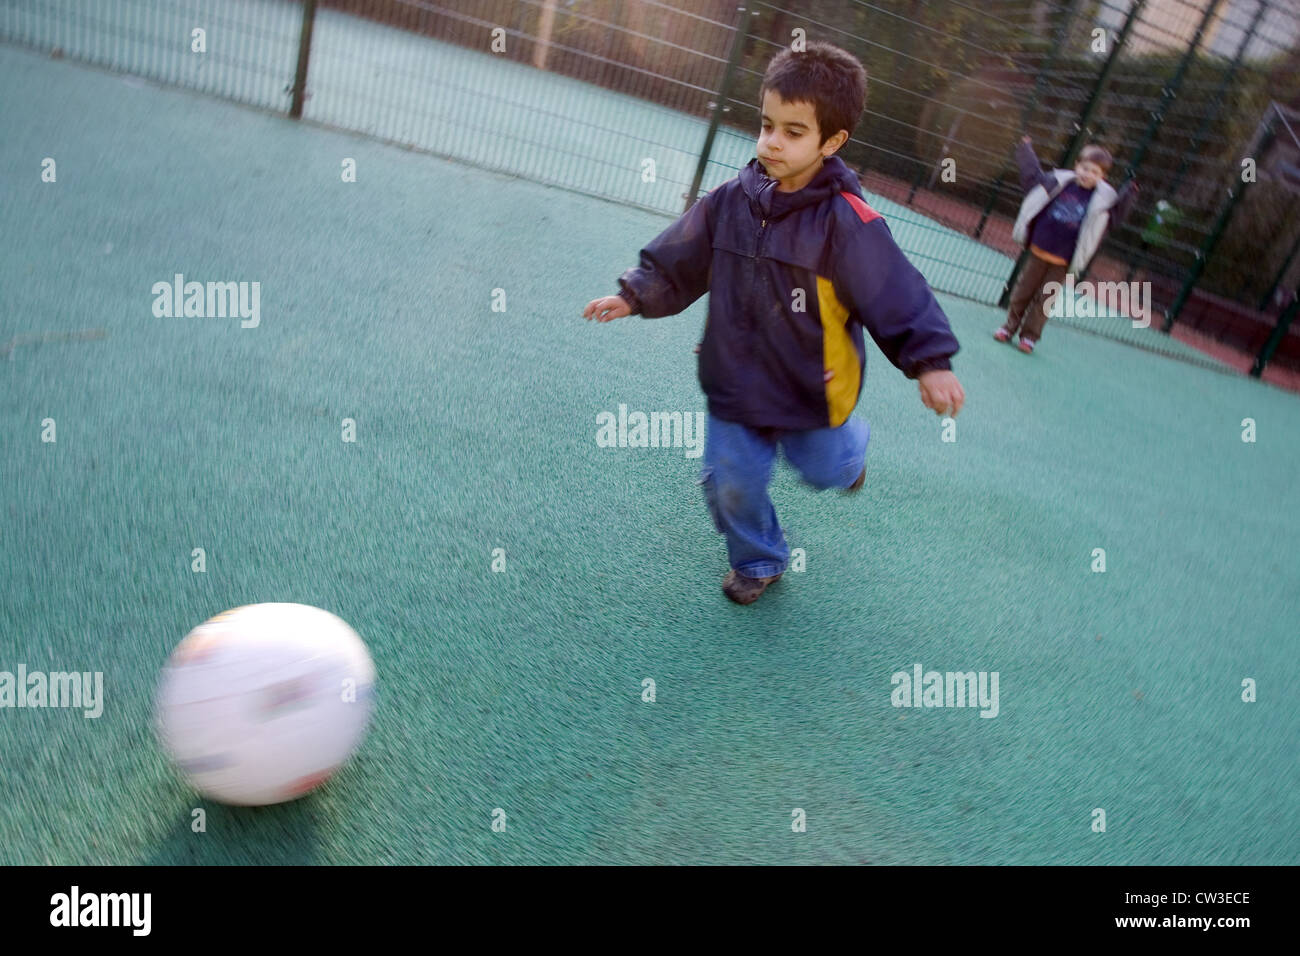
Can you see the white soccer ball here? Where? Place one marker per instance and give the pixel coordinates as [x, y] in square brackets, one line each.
[264, 702]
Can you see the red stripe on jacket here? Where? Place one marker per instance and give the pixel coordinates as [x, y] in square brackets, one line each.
[865, 212]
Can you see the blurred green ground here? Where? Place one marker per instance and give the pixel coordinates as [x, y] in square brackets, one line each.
[476, 430]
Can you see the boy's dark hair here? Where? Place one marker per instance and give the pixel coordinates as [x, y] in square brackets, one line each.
[1092, 153]
[829, 78]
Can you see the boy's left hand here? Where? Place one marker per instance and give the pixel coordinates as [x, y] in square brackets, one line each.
[941, 392]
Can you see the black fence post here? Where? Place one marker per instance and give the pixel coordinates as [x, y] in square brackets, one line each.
[1235, 192]
[1277, 279]
[304, 52]
[1168, 92]
[1279, 333]
[898, 141]
[1062, 34]
[921, 169]
[1081, 128]
[1218, 99]
[733, 58]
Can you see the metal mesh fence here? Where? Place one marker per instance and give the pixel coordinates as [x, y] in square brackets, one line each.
[1173, 89]
[617, 97]
[461, 79]
[245, 52]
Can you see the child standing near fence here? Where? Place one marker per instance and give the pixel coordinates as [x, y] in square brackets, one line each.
[1063, 219]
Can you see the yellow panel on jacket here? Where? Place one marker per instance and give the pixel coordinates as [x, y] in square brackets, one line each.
[839, 354]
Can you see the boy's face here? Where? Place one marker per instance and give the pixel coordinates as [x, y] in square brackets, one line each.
[1088, 173]
[788, 144]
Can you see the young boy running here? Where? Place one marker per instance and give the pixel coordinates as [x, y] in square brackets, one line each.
[797, 265]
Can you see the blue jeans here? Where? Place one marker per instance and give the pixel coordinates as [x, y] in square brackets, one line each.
[738, 463]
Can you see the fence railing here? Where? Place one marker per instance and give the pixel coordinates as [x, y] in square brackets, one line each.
[651, 102]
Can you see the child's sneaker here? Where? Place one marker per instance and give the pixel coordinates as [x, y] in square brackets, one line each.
[1026, 345]
[1002, 335]
[745, 590]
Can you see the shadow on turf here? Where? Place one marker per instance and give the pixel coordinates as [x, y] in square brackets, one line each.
[280, 835]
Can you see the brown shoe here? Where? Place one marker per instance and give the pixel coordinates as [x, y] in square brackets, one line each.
[857, 484]
[745, 590]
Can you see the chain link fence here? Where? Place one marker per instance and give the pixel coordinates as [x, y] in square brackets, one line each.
[651, 102]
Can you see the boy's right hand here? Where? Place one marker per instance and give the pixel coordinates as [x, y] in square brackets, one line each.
[941, 392]
[607, 308]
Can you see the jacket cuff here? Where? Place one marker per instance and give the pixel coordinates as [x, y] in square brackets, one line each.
[941, 364]
[627, 295]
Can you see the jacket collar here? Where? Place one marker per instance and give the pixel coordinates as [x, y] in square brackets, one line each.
[1103, 194]
[834, 177]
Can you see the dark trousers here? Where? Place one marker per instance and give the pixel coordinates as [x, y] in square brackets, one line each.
[1026, 314]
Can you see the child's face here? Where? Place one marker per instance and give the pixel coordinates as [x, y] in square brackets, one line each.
[1088, 173]
[788, 144]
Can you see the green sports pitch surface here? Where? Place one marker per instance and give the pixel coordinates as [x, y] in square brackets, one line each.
[475, 430]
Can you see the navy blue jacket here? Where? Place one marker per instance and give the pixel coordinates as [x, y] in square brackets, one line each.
[793, 279]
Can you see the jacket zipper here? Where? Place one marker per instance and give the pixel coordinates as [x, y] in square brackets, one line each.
[758, 248]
